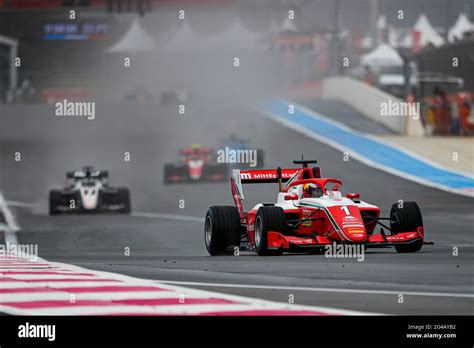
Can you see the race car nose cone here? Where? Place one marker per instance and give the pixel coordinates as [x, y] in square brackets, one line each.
[356, 234]
[359, 237]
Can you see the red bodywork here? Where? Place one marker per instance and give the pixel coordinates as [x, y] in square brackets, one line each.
[344, 220]
[195, 160]
[197, 164]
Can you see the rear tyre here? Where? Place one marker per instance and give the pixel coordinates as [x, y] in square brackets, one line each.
[124, 198]
[168, 171]
[269, 218]
[216, 172]
[173, 170]
[221, 229]
[54, 197]
[405, 219]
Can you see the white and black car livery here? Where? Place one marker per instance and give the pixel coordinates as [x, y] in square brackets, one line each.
[87, 191]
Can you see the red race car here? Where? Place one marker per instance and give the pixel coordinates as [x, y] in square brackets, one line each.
[198, 164]
[310, 214]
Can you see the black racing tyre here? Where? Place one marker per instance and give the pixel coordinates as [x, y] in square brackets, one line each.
[54, 197]
[169, 169]
[269, 218]
[173, 169]
[221, 229]
[405, 219]
[216, 169]
[124, 198]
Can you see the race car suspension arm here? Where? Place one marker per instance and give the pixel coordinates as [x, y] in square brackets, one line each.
[308, 218]
[299, 221]
[377, 220]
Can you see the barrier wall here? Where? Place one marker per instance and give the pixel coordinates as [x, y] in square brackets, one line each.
[368, 100]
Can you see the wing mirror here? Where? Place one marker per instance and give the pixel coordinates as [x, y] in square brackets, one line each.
[291, 197]
[353, 195]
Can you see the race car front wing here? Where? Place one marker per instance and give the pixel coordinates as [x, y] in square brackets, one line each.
[277, 240]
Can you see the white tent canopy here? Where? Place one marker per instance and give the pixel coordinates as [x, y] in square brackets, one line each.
[383, 55]
[462, 25]
[183, 38]
[236, 36]
[428, 34]
[136, 39]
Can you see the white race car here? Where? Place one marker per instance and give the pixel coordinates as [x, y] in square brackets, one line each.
[88, 192]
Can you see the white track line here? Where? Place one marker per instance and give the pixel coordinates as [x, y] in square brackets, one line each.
[135, 213]
[168, 216]
[20, 204]
[299, 288]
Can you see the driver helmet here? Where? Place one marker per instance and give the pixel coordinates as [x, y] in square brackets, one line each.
[312, 191]
[196, 147]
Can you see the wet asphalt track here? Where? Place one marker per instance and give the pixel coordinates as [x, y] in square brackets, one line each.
[173, 250]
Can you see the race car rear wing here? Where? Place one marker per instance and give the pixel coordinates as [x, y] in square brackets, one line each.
[261, 176]
[257, 176]
[198, 150]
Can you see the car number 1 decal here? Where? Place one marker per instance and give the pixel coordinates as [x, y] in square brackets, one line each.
[346, 210]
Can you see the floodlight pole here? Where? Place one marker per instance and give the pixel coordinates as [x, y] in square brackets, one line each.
[13, 73]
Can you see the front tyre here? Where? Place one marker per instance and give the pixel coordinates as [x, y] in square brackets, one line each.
[221, 229]
[269, 218]
[124, 198]
[405, 219]
[54, 197]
